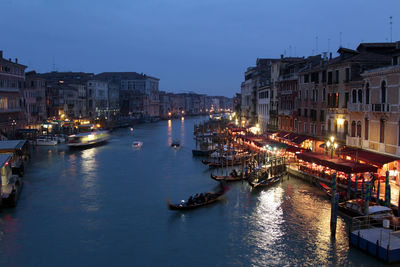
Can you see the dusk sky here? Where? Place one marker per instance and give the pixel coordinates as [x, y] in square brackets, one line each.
[191, 45]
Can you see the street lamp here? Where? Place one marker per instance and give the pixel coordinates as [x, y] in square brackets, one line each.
[331, 145]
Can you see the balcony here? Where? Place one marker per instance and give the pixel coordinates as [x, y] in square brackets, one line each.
[353, 141]
[380, 108]
[358, 107]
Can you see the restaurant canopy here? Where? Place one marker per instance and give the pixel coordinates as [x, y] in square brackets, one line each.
[337, 164]
[293, 137]
[367, 156]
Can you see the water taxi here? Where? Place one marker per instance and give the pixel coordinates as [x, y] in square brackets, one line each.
[45, 141]
[176, 144]
[137, 144]
[88, 139]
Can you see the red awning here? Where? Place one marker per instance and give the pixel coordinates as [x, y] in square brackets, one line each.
[293, 137]
[338, 164]
[367, 156]
[293, 149]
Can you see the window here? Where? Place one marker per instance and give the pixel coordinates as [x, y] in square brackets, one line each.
[360, 96]
[324, 94]
[329, 77]
[306, 78]
[346, 127]
[367, 94]
[382, 132]
[322, 115]
[359, 129]
[324, 76]
[354, 96]
[347, 75]
[353, 129]
[300, 94]
[383, 92]
[366, 129]
[329, 125]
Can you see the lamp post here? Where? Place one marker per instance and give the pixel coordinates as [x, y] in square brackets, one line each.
[331, 145]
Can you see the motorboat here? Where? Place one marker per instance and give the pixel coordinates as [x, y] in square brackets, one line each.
[175, 144]
[88, 139]
[46, 141]
[137, 144]
[11, 183]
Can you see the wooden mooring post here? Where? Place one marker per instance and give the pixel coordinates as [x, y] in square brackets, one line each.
[334, 206]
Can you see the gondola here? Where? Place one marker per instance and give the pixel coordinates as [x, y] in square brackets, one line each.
[228, 178]
[265, 182]
[328, 191]
[220, 164]
[212, 198]
[202, 153]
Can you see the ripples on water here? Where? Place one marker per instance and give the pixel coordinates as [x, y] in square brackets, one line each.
[105, 206]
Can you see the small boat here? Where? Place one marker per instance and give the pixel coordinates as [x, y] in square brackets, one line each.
[137, 144]
[355, 208]
[212, 164]
[46, 142]
[209, 198]
[175, 144]
[264, 182]
[229, 178]
[328, 191]
[202, 153]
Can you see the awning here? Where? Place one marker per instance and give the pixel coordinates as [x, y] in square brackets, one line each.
[367, 156]
[293, 137]
[293, 149]
[338, 164]
[238, 129]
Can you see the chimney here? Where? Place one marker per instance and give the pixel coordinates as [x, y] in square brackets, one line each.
[1, 53]
[281, 56]
[330, 55]
[16, 60]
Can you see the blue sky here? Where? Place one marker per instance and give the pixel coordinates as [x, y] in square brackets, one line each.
[191, 45]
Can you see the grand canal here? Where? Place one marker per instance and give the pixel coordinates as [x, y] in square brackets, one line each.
[106, 206]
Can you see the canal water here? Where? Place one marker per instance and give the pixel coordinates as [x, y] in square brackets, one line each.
[106, 206]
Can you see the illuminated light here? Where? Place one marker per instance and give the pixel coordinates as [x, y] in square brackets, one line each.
[335, 145]
[297, 152]
[183, 118]
[169, 113]
[183, 112]
[332, 138]
[131, 129]
[91, 137]
[340, 121]
[275, 148]
[328, 144]
[98, 125]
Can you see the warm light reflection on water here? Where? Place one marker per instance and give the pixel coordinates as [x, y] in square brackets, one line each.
[169, 132]
[182, 131]
[89, 180]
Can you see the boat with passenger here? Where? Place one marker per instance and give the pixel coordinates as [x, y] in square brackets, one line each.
[199, 200]
[176, 144]
[137, 144]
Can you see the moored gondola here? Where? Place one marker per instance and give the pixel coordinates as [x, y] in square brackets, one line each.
[221, 164]
[228, 178]
[265, 182]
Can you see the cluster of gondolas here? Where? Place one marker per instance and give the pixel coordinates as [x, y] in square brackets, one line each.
[238, 163]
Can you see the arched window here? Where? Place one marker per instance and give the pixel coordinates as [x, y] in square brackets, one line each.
[346, 127]
[360, 96]
[366, 129]
[354, 96]
[383, 92]
[382, 131]
[367, 93]
[359, 129]
[353, 129]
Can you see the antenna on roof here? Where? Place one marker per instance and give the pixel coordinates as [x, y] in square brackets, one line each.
[390, 18]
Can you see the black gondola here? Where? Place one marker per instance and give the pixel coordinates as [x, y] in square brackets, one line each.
[212, 197]
[229, 178]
